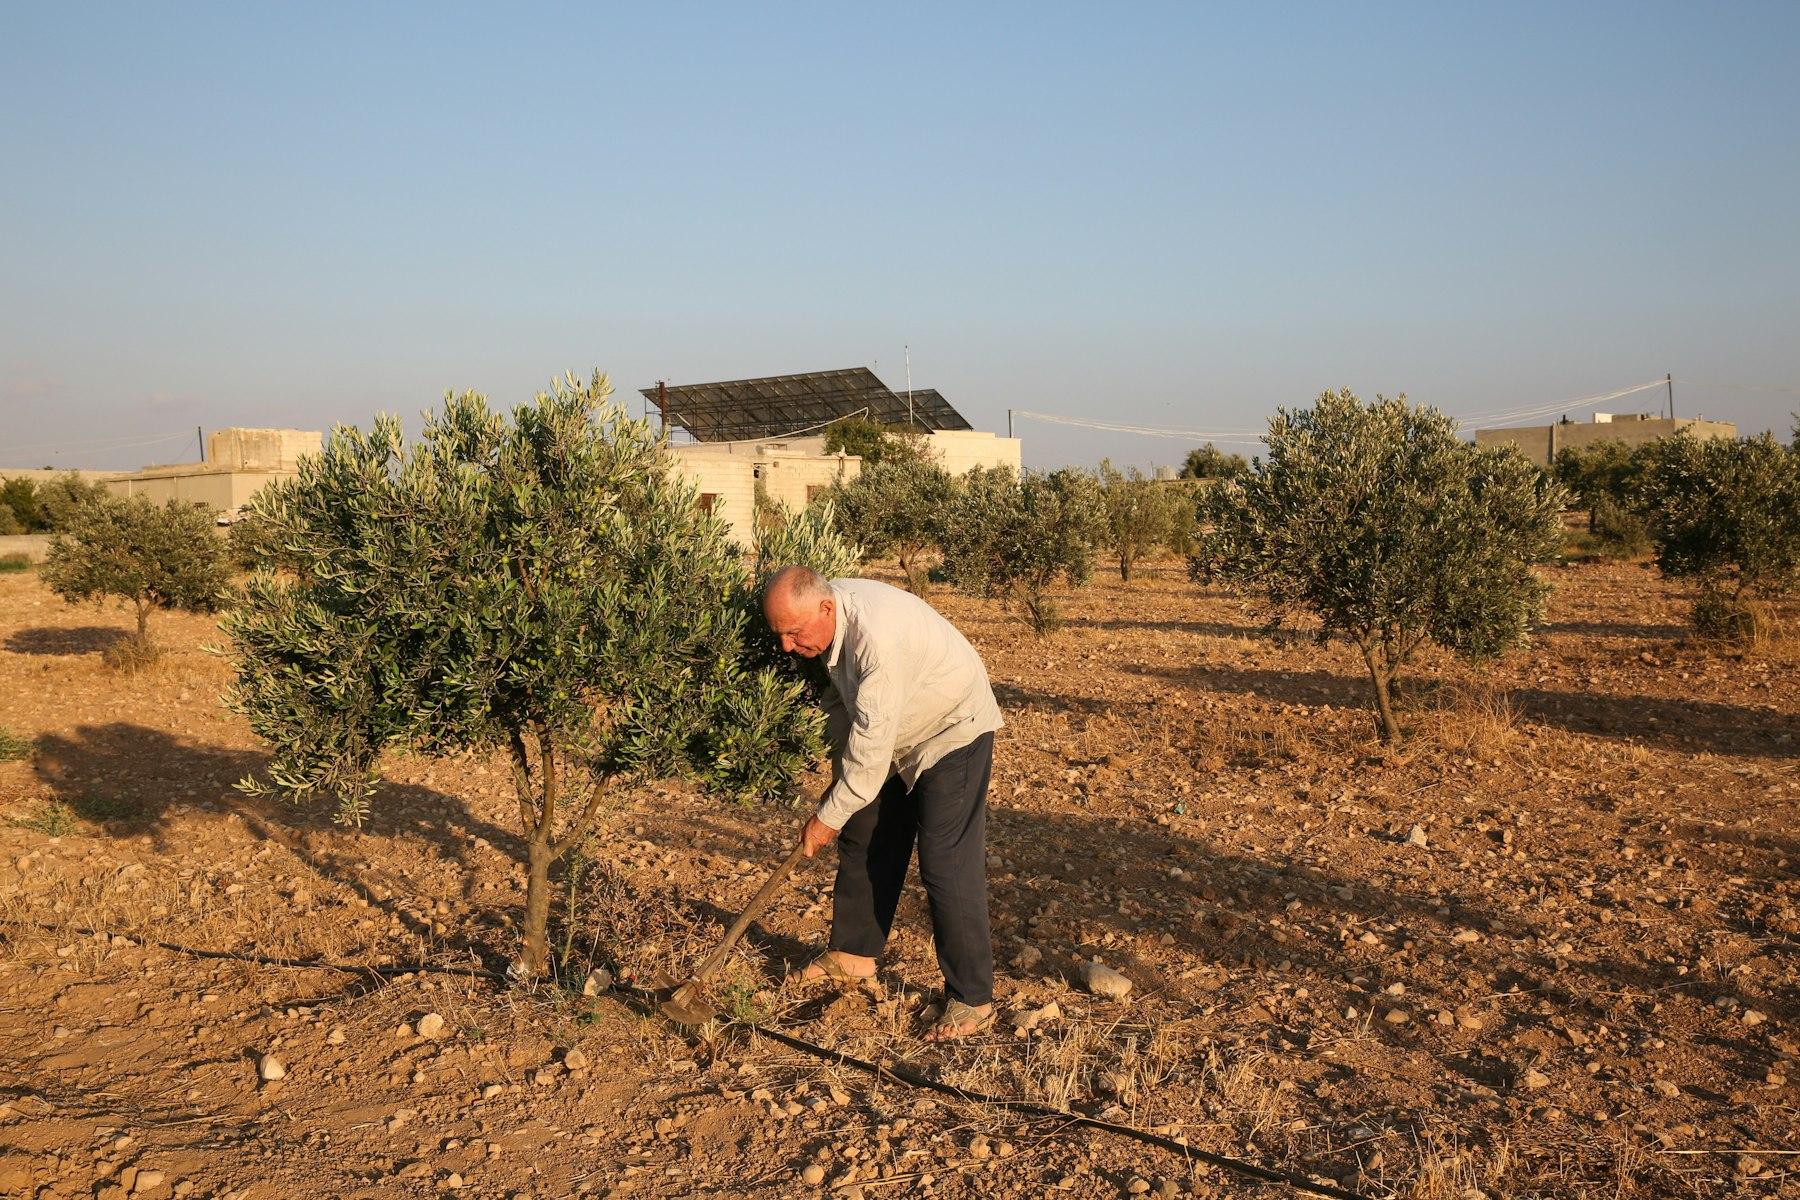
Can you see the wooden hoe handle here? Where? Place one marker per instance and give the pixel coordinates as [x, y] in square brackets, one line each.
[717, 958]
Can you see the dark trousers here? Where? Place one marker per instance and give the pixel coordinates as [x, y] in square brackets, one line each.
[946, 814]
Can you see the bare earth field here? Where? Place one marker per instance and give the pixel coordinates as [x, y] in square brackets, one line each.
[1549, 949]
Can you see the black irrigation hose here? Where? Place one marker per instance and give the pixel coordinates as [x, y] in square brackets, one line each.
[900, 1073]
[300, 964]
[897, 1072]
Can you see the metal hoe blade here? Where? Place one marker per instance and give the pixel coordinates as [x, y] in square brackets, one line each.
[687, 1005]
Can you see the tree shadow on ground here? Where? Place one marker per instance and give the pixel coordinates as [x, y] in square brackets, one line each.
[1216, 629]
[130, 780]
[1689, 726]
[50, 639]
[1012, 698]
[1233, 910]
[1617, 629]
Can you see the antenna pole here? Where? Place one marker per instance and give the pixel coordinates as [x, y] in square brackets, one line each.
[200, 437]
[909, 408]
[1009, 431]
[1669, 379]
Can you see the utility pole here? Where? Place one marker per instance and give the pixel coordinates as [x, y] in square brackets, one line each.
[1009, 431]
[1669, 379]
[200, 437]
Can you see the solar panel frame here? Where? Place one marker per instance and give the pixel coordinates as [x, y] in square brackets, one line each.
[773, 406]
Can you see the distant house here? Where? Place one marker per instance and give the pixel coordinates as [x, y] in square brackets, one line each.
[1541, 443]
[238, 462]
[770, 430]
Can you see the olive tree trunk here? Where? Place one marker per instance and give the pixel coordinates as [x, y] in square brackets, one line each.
[540, 794]
[1381, 678]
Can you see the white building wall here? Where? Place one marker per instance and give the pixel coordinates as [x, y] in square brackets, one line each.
[730, 482]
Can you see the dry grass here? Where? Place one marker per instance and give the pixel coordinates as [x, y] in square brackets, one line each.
[1774, 636]
[1477, 721]
[1456, 1170]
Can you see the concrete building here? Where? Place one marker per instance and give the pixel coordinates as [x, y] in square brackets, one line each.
[238, 462]
[770, 430]
[1542, 443]
[794, 470]
[726, 475]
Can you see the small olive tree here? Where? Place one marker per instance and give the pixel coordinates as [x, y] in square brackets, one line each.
[156, 556]
[1390, 530]
[1013, 537]
[1606, 479]
[540, 585]
[1139, 515]
[896, 507]
[1725, 514]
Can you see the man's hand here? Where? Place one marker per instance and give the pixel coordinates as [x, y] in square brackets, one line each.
[816, 835]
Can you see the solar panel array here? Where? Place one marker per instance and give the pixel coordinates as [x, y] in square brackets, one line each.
[780, 405]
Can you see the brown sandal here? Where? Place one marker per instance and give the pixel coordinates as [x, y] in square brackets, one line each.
[834, 971]
[949, 1026]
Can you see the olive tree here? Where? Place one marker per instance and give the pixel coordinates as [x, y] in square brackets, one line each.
[1390, 530]
[1725, 514]
[1606, 479]
[1139, 515]
[1013, 536]
[163, 556]
[539, 584]
[896, 507]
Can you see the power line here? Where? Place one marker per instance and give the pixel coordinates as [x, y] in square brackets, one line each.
[1511, 414]
[1233, 435]
[123, 442]
[1741, 387]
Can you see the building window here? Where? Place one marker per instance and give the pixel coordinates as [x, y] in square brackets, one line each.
[708, 500]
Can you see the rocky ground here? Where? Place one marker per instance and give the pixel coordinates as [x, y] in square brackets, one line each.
[1547, 949]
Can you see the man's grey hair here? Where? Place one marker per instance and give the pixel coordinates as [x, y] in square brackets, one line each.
[802, 585]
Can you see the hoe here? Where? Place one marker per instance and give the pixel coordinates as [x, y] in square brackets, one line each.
[687, 1004]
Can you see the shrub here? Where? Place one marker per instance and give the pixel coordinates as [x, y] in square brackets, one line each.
[876, 443]
[20, 511]
[897, 508]
[154, 556]
[540, 585]
[1138, 511]
[1619, 532]
[1382, 523]
[1725, 514]
[1013, 536]
[1210, 462]
[10, 563]
[62, 496]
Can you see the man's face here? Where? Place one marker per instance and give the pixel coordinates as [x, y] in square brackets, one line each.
[803, 629]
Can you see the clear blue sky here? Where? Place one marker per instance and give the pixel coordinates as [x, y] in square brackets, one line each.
[1177, 215]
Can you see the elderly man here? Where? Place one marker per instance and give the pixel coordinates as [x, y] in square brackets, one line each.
[912, 734]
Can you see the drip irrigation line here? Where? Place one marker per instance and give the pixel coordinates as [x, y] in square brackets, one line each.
[895, 1072]
[900, 1073]
[265, 960]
